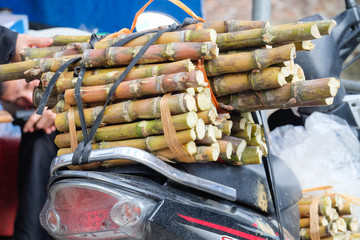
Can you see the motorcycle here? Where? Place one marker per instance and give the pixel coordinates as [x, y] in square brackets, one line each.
[156, 200]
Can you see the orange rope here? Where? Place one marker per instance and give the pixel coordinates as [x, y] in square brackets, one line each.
[176, 2]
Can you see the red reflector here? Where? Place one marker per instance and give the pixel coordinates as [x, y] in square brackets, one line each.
[84, 210]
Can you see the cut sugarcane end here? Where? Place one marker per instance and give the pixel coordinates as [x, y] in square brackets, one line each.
[334, 85]
[192, 119]
[315, 31]
[200, 129]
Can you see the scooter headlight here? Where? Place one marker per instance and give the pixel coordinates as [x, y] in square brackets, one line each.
[81, 210]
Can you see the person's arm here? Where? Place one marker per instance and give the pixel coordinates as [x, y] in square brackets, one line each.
[7, 44]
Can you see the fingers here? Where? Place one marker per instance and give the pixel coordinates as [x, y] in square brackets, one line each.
[33, 41]
[30, 124]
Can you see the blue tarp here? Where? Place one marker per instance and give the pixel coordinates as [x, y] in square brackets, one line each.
[105, 15]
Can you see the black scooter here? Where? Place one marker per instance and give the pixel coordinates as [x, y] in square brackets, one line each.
[158, 200]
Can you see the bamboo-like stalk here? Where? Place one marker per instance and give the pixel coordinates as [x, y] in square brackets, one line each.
[340, 222]
[139, 88]
[230, 25]
[336, 200]
[151, 143]
[238, 148]
[207, 154]
[63, 40]
[34, 53]
[247, 61]
[200, 129]
[352, 223]
[209, 137]
[218, 133]
[324, 207]
[189, 147]
[306, 199]
[347, 209]
[305, 222]
[333, 215]
[118, 56]
[203, 101]
[132, 130]
[32, 68]
[245, 134]
[251, 155]
[106, 76]
[208, 116]
[304, 46]
[129, 111]
[226, 149]
[238, 125]
[271, 35]
[225, 127]
[287, 95]
[272, 77]
[202, 35]
[324, 231]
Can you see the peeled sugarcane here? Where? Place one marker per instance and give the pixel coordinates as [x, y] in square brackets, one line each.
[352, 223]
[324, 207]
[272, 77]
[32, 68]
[189, 147]
[106, 76]
[229, 25]
[132, 130]
[202, 35]
[118, 56]
[247, 61]
[270, 35]
[129, 111]
[151, 143]
[139, 88]
[287, 95]
[305, 222]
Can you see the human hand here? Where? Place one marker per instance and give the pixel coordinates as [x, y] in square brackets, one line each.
[28, 41]
[46, 122]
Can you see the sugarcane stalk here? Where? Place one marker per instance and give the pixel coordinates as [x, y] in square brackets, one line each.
[324, 207]
[306, 199]
[324, 231]
[247, 61]
[245, 134]
[106, 76]
[272, 77]
[347, 209]
[306, 45]
[63, 40]
[34, 53]
[207, 154]
[255, 140]
[238, 125]
[132, 130]
[117, 56]
[352, 223]
[226, 149]
[200, 129]
[251, 155]
[129, 111]
[208, 116]
[202, 35]
[222, 117]
[333, 215]
[271, 35]
[336, 200]
[139, 88]
[189, 147]
[225, 127]
[209, 137]
[229, 25]
[203, 101]
[289, 94]
[151, 143]
[218, 133]
[305, 222]
[341, 224]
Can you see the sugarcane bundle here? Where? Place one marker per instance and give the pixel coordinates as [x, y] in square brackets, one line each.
[335, 219]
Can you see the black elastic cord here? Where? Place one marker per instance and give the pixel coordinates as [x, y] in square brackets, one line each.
[52, 82]
[83, 150]
[270, 178]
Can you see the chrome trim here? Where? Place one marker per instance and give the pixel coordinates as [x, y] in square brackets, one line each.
[154, 163]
